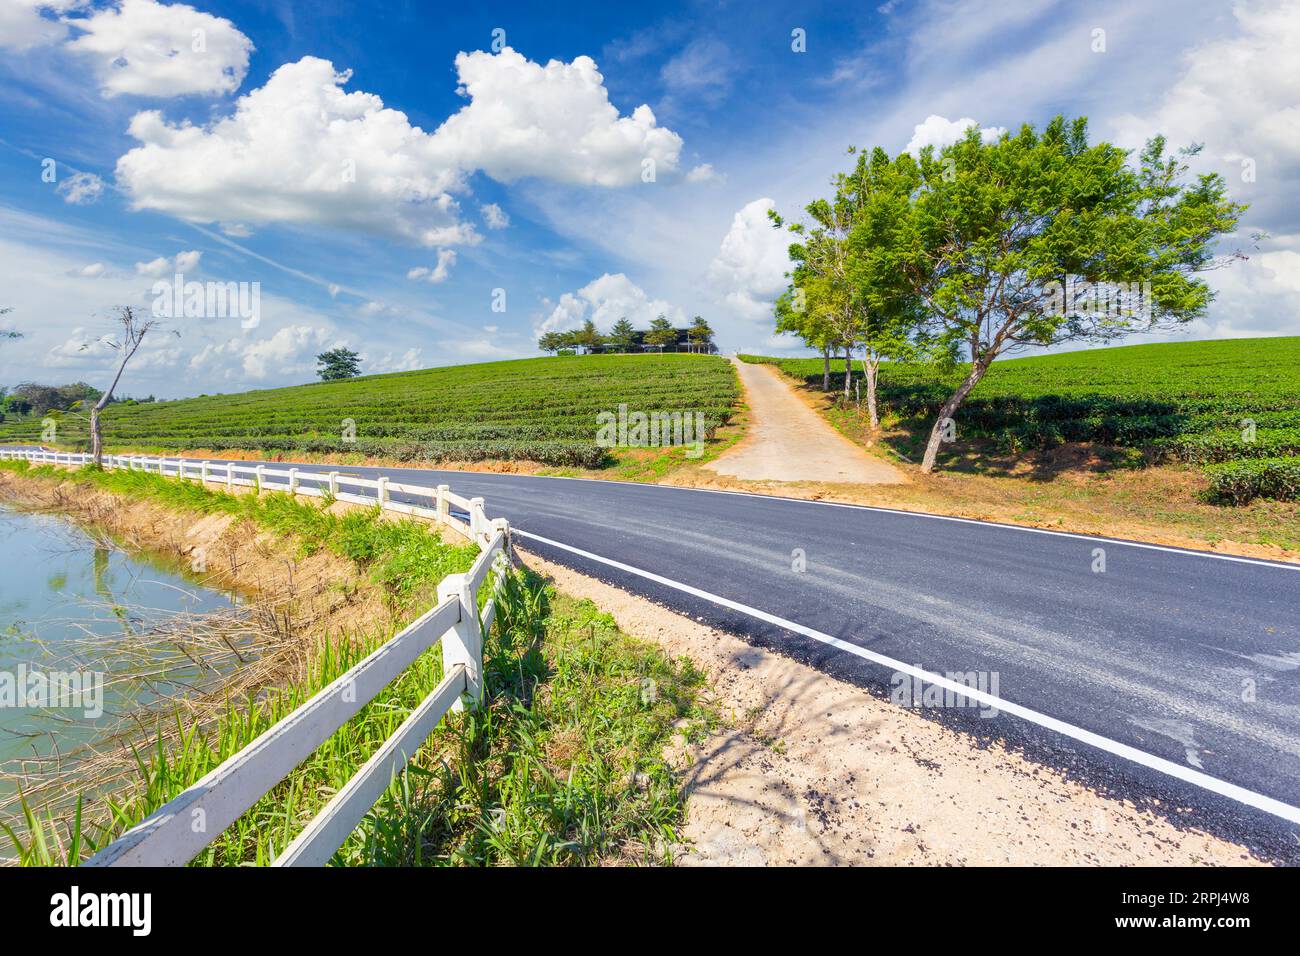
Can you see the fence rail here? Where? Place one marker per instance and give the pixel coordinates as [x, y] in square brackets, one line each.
[180, 829]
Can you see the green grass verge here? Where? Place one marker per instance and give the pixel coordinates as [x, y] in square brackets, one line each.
[564, 763]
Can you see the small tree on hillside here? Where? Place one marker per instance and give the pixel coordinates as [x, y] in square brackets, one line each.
[587, 337]
[551, 342]
[991, 236]
[127, 343]
[622, 336]
[700, 334]
[662, 333]
[337, 364]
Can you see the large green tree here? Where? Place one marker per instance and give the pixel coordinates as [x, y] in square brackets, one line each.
[662, 333]
[1038, 239]
[622, 336]
[587, 337]
[337, 364]
[700, 333]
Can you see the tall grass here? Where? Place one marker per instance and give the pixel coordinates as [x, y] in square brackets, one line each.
[563, 764]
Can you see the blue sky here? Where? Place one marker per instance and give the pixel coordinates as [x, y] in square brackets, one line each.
[388, 172]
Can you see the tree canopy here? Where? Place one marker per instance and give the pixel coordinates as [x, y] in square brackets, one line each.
[338, 363]
[983, 247]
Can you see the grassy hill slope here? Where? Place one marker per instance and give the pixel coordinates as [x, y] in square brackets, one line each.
[540, 409]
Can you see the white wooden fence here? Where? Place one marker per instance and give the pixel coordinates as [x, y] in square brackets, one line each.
[179, 830]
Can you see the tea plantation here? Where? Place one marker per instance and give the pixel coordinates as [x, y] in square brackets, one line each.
[1220, 402]
[531, 409]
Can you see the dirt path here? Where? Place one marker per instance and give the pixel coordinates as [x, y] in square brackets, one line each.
[788, 441]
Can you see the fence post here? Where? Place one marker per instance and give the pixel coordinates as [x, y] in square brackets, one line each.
[442, 504]
[463, 643]
[382, 491]
[203, 473]
[476, 518]
[230, 476]
[334, 484]
[293, 481]
[258, 476]
[502, 525]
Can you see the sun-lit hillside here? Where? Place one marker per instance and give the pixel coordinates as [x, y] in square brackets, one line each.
[540, 409]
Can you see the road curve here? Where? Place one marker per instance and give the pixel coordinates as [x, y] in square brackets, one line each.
[1184, 659]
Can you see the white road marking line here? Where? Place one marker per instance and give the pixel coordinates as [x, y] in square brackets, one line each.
[1230, 790]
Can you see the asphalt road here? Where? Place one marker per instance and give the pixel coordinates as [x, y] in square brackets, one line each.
[1183, 657]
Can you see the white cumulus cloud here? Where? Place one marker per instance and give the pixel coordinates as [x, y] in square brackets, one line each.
[494, 216]
[143, 48]
[162, 266]
[749, 269]
[301, 150]
[408, 361]
[30, 23]
[298, 150]
[1238, 94]
[440, 271]
[553, 122]
[939, 131]
[605, 301]
[81, 189]
[292, 350]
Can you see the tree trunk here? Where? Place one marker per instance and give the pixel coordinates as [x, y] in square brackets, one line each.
[826, 368]
[946, 412]
[871, 369]
[96, 440]
[848, 371]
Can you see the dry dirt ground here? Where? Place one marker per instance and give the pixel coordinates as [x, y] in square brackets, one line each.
[788, 441]
[811, 770]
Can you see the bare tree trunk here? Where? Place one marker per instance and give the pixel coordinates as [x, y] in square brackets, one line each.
[826, 368]
[871, 369]
[947, 410]
[848, 371]
[96, 439]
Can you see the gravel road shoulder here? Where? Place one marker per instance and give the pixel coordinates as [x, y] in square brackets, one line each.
[810, 770]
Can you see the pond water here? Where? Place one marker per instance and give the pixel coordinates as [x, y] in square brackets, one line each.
[87, 633]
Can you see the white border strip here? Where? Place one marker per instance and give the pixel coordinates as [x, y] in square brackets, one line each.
[1168, 767]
